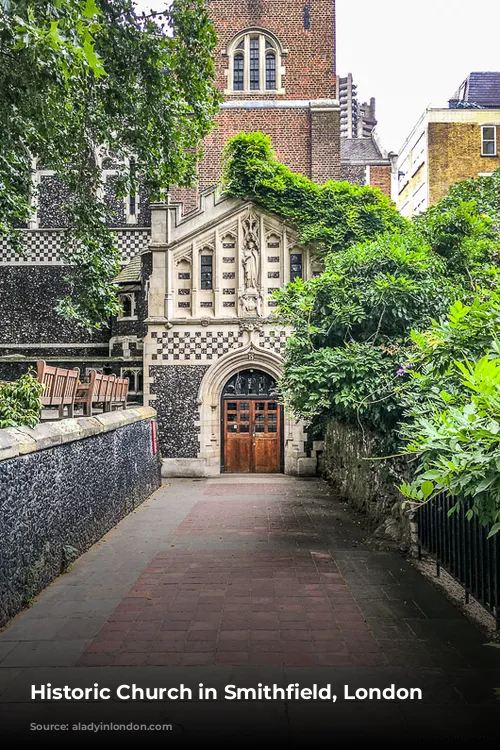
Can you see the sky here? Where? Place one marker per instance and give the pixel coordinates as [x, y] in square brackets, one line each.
[410, 54]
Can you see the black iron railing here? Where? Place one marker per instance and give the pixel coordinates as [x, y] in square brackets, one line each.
[462, 548]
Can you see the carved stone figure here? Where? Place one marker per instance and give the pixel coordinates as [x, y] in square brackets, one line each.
[251, 253]
[251, 303]
[250, 299]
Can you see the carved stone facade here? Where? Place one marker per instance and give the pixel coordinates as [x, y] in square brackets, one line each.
[251, 253]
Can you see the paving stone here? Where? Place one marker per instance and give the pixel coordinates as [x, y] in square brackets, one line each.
[45, 654]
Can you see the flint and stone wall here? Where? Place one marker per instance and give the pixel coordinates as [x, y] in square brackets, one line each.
[369, 487]
[63, 485]
[176, 390]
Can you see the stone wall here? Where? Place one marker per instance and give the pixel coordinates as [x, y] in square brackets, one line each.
[176, 389]
[64, 485]
[28, 296]
[355, 174]
[369, 487]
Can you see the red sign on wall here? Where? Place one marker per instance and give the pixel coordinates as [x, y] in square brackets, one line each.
[154, 439]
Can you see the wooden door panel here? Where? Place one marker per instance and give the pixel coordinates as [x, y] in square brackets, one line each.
[266, 456]
[238, 455]
[266, 437]
[237, 437]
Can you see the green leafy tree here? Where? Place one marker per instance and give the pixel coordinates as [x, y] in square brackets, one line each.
[77, 76]
[350, 348]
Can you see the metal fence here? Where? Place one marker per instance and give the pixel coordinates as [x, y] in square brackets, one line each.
[462, 548]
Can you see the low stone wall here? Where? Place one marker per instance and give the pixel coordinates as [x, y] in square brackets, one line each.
[369, 487]
[63, 485]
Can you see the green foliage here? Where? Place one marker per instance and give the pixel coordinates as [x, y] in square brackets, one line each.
[466, 333]
[20, 402]
[458, 443]
[401, 330]
[82, 76]
[350, 381]
[331, 217]
[452, 409]
[357, 317]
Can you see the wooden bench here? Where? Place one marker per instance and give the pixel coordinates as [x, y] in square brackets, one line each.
[121, 393]
[99, 390]
[60, 386]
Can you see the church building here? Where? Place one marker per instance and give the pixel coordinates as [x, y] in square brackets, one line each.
[197, 336]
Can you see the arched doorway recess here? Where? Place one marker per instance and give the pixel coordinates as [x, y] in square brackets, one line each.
[251, 424]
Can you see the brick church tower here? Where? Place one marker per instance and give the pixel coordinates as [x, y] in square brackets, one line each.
[275, 64]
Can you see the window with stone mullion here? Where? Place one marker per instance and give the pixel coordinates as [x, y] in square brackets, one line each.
[270, 71]
[254, 64]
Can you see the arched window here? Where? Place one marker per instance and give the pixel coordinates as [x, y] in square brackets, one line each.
[239, 72]
[270, 71]
[255, 63]
[128, 306]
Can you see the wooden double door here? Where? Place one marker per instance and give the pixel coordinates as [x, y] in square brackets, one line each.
[252, 435]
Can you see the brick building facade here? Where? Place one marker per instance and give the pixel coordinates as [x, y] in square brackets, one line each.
[275, 65]
[450, 145]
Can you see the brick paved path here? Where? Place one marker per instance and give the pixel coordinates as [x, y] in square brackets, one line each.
[245, 579]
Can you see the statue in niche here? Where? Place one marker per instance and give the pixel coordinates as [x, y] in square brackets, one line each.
[251, 253]
[251, 300]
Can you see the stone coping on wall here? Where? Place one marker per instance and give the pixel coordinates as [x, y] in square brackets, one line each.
[18, 441]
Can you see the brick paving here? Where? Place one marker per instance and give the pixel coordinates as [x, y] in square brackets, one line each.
[232, 608]
[243, 517]
[248, 579]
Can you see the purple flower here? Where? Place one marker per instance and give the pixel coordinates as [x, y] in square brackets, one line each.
[401, 372]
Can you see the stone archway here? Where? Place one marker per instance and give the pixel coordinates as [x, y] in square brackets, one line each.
[209, 400]
[251, 424]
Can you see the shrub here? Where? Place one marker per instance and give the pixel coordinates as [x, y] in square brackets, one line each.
[458, 443]
[20, 402]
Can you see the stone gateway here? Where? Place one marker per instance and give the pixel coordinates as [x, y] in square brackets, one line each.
[212, 353]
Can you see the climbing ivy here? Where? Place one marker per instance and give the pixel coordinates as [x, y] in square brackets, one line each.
[330, 217]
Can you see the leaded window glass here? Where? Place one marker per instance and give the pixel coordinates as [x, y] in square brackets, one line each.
[254, 64]
[270, 71]
[239, 73]
[206, 272]
[295, 266]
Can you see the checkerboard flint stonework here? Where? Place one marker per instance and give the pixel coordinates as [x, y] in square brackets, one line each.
[44, 247]
[198, 345]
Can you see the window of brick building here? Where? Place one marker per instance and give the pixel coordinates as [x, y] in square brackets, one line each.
[488, 140]
[255, 63]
